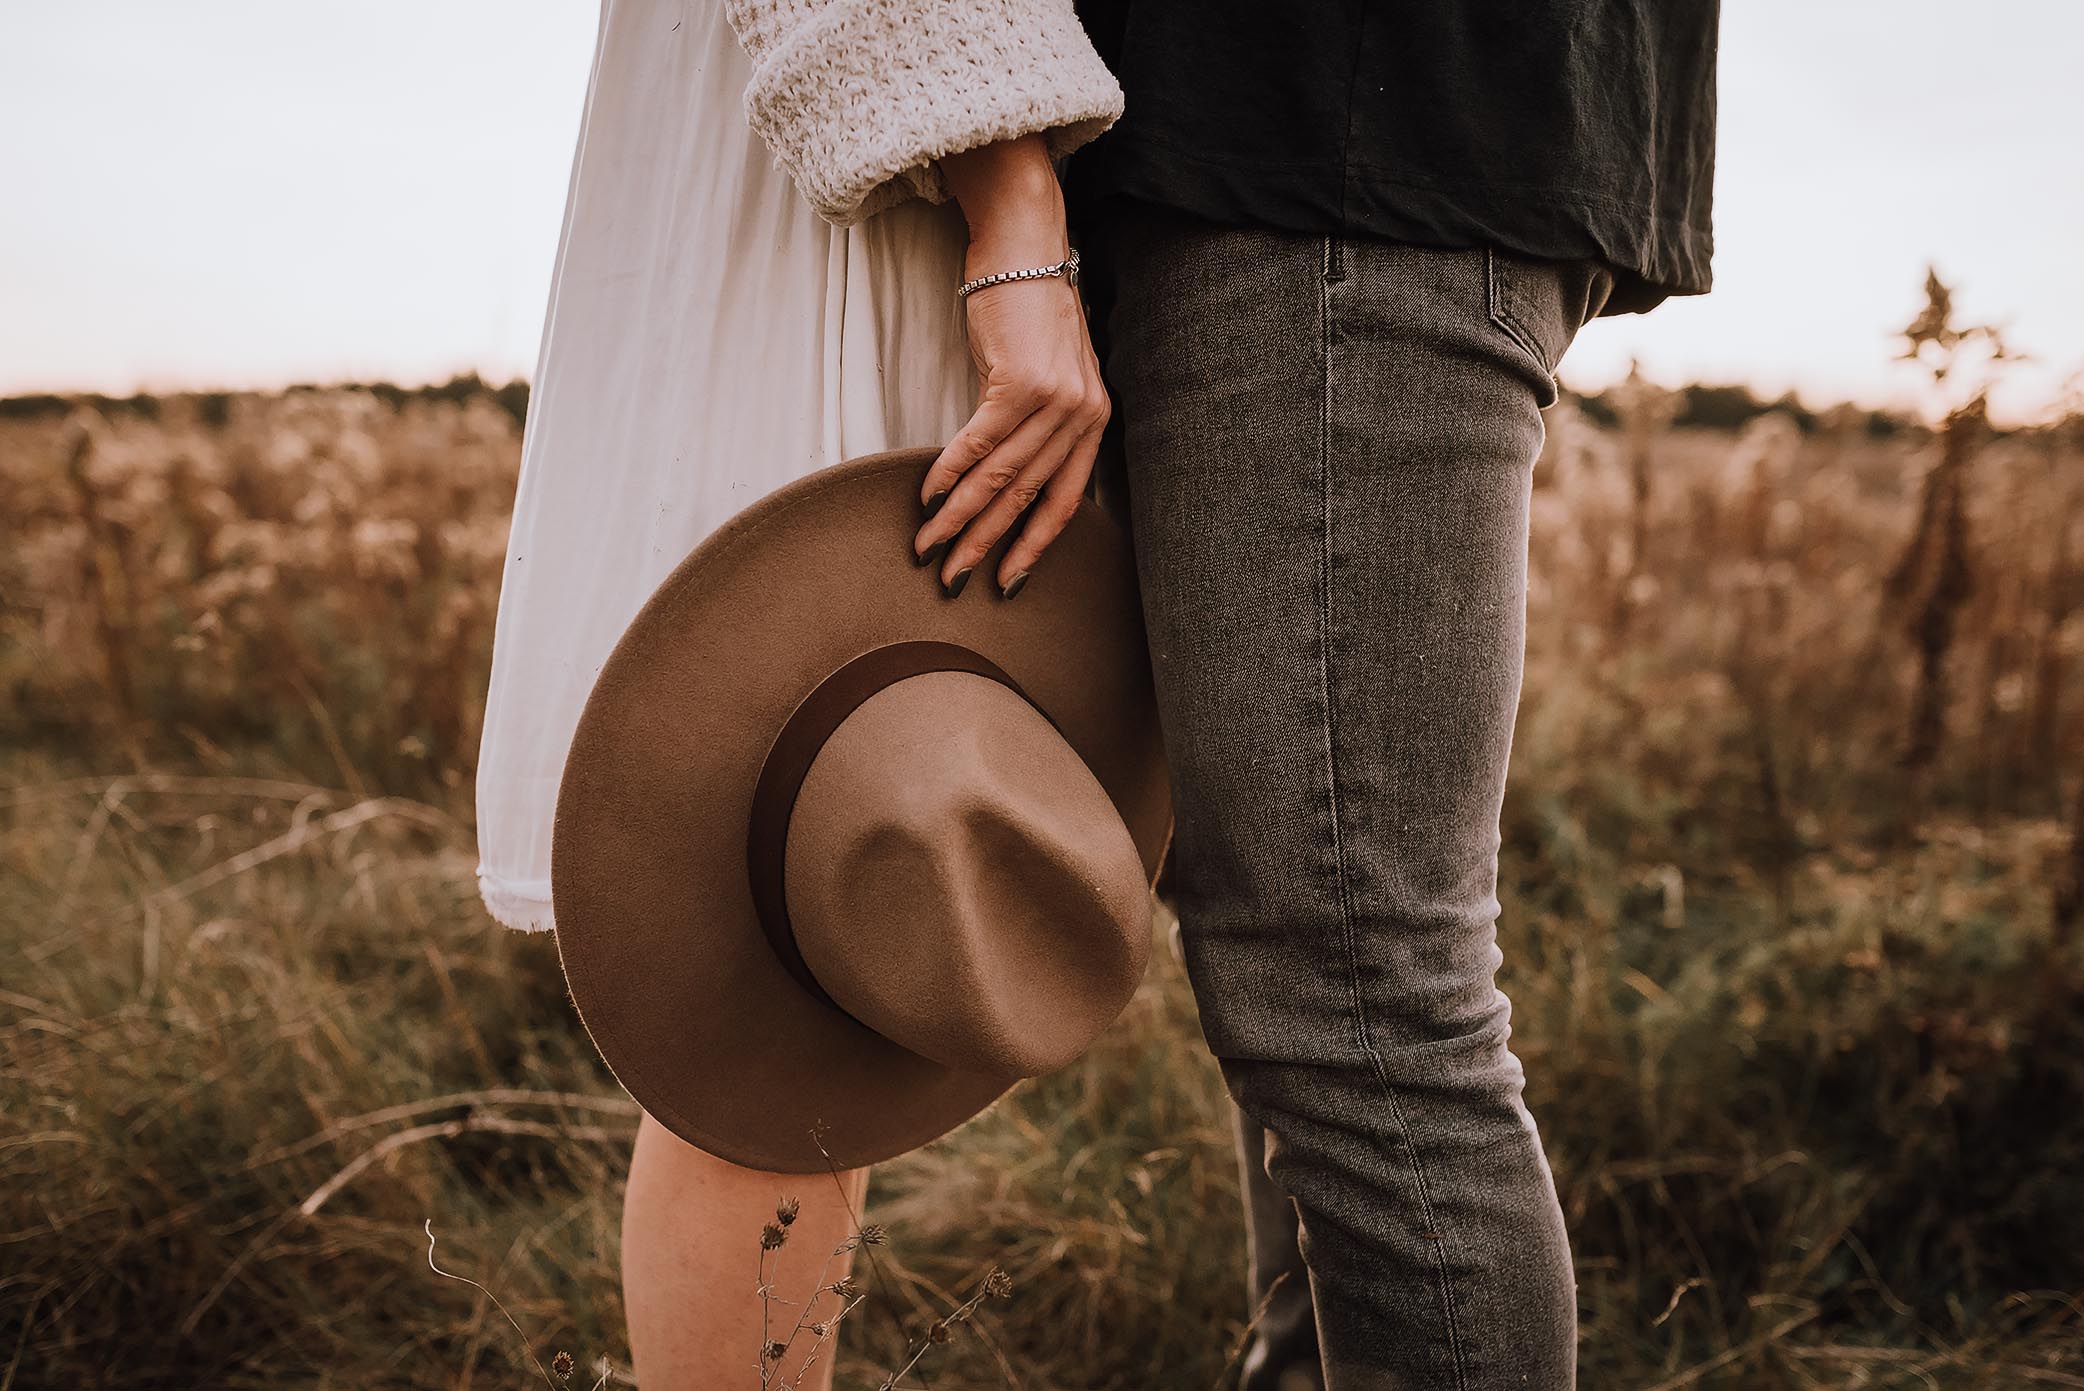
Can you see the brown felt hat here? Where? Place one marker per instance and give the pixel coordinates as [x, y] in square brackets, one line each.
[838, 859]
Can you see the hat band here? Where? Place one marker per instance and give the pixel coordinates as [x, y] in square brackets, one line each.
[796, 748]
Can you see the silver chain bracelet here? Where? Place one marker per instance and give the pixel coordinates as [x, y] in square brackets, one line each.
[1067, 268]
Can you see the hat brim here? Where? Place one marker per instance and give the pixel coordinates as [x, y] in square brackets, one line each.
[657, 931]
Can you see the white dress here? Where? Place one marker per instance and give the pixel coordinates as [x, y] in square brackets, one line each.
[709, 338]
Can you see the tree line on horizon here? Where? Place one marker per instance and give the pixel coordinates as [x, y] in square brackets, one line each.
[1699, 405]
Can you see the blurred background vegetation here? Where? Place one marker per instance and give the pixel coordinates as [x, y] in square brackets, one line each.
[1794, 846]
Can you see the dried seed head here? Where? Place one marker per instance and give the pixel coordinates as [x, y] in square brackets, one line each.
[561, 1366]
[939, 1331]
[872, 1234]
[998, 1284]
[845, 1287]
[820, 1329]
[772, 1236]
[775, 1350]
[785, 1211]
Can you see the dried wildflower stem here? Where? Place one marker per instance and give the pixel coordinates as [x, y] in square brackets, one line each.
[996, 1285]
[941, 1327]
[820, 1287]
[774, 1235]
[428, 1227]
[824, 1330]
[803, 1316]
[860, 1230]
[766, 1294]
[772, 1238]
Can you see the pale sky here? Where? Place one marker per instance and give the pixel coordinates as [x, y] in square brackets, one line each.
[231, 193]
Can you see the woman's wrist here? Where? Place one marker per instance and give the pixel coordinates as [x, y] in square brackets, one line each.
[1009, 194]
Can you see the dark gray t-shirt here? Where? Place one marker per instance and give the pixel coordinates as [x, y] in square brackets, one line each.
[1555, 128]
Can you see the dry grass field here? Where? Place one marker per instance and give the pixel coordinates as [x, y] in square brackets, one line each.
[1792, 935]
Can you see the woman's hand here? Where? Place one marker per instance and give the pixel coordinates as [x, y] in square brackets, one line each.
[1041, 403]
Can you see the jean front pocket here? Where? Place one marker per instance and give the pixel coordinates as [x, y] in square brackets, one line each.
[1540, 305]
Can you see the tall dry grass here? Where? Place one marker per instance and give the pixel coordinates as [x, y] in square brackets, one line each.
[313, 573]
[1801, 1011]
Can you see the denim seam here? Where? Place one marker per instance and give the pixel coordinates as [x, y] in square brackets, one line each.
[1338, 842]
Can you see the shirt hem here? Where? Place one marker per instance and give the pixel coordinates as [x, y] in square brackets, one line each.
[1654, 257]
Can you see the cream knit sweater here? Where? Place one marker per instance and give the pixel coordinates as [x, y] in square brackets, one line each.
[858, 98]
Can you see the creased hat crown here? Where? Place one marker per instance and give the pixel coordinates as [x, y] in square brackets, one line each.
[959, 881]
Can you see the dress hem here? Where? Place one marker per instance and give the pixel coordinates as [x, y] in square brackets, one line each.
[522, 906]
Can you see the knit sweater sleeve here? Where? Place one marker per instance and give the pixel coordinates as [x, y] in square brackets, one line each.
[857, 99]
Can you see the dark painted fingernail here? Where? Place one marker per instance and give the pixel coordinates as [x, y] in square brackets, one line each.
[1016, 584]
[931, 554]
[954, 586]
[933, 504]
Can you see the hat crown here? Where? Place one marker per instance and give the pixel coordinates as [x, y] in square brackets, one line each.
[959, 881]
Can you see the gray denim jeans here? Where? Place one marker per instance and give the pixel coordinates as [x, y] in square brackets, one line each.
[1327, 445]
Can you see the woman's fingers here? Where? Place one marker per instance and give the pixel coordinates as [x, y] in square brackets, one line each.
[1002, 407]
[951, 507]
[1051, 513]
[1040, 470]
[951, 510]
[1005, 507]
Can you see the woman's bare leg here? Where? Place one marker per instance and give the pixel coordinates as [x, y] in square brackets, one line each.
[691, 1258]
